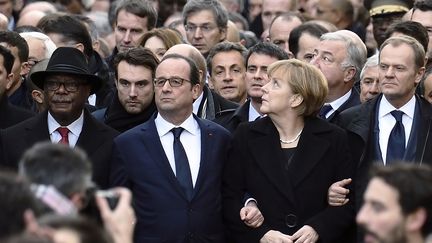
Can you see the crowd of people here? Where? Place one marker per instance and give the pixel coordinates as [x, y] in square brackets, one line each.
[271, 121]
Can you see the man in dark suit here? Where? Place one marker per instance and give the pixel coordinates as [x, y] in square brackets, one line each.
[67, 83]
[376, 133]
[176, 192]
[258, 59]
[10, 114]
[340, 56]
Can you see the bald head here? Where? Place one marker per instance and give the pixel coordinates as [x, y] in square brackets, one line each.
[30, 18]
[42, 6]
[194, 54]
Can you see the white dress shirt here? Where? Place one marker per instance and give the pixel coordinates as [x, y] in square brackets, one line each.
[386, 122]
[253, 114]
[75, 129]
[196, 104]
[337, 103]
[190, 139]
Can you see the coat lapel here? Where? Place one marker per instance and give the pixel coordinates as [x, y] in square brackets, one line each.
[151, 141]
[89, 138]
[207, 143]
[37, 130]
[310, 150]
[267, 135]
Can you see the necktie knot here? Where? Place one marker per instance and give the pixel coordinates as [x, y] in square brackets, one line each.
[324, 110]
[397, 115]
[177, 132]
[64, 132]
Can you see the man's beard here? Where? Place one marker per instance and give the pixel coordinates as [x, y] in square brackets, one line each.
[395, 235]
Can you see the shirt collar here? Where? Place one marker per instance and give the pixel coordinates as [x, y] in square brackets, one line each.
[164, 126]
[75, 127]
[253, 114]
[338, 102]
[408, 109]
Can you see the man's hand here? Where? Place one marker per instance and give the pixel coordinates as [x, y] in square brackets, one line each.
[119, 222]
[251, 215]
[305, 234]
[337, 193]
[274, 236]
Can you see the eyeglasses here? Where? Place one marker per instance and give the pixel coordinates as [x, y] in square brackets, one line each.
[174, 81]
[204, 28]
[68, 86]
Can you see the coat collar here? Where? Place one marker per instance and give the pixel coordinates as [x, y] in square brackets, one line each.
[265, 142]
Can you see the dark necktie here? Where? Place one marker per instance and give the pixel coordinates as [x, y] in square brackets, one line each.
[396, 142]
[64, 132]
[183, 172]
[324, 110]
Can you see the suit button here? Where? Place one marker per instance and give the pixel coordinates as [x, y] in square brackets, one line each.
[291, 220]
[190, 210]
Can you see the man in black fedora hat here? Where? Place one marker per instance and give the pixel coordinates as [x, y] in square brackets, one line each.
[66, 83]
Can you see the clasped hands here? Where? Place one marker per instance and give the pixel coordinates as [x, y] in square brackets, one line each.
[305, 234]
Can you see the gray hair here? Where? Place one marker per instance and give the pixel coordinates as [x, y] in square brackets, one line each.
[48, 43]
[356, 54]
[218, 10]
[371, 62]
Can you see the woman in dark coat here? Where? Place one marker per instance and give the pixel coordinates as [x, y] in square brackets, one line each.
[287, 161]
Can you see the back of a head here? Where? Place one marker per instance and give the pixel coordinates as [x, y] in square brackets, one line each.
[16, 198]
[76, 32]
[67, 169]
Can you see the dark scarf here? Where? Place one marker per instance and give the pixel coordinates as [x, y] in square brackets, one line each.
[118, 118]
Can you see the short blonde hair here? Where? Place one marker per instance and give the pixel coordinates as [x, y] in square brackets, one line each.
[305, 80]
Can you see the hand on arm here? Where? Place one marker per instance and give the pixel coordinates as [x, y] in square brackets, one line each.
[251, 215]
[337, 193]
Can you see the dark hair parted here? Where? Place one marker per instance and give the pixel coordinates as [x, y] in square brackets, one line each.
[414, 184]
[410, 28]
[225, 47]
[15, 40]
[312, 29]
[194, 72]
[138, 56]
[8, 59]
[268, 49]
[219, 12]
[140, 8]
[71, 29]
